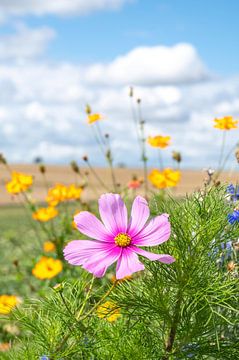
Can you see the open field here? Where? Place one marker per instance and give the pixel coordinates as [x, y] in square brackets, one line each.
[191, 180]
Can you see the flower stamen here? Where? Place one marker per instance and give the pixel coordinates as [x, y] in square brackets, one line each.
[122, 240]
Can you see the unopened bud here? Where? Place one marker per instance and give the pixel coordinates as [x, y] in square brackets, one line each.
[131, 91]
[88, 109]
[177, 156]
[2, 159]
[75, 167]
[42, 168]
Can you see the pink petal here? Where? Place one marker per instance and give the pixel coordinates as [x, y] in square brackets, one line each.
[93, 256]
[139, 215]
[113, 213]
[154, 233]
[98, 265]
[79, 251]
[164, 258]
[89, 225]
[128, 264]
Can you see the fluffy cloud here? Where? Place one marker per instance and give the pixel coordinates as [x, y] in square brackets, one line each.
[152, 66]
[57, 7]
[42, 104]
[25, 43]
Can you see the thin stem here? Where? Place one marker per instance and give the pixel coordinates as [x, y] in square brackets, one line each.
[101, 300]
[86, 298]
[174, 325]
[160, 160]
[96, 176]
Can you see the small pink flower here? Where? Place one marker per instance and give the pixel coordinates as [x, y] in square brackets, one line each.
[117, 239]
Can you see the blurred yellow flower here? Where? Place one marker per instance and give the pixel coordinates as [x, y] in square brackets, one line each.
[60, 193]
[92, 118]
[159, 141]
[47, 268]
[108, 311]
[45, 214]
[225, 123]
[20, 182]
[5, 347]
[49, 246]
[7, 303]
[165, 178]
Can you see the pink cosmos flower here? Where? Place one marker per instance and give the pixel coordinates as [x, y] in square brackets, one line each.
[117, 239]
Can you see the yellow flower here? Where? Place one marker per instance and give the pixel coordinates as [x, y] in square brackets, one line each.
[108, 311]
[60, 193]
[73, 192]
[20, 182]
[159, 141]
[45, 214]
[49, 246]
[92, 118]
[47, 268]
[7, 303]
[226, 123]
[165, 178]
[5, 347]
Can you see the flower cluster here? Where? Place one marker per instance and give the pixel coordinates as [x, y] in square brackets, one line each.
[60, 193]
[164, 179]
[19, 183]
[45, 214]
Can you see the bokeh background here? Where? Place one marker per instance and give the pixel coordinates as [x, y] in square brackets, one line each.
[56, 56]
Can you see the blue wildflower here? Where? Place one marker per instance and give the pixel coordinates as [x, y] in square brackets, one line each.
[234, 217]
[44, 357]
[233, 191]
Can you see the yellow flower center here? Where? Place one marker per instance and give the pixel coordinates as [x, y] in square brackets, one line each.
[122, 240]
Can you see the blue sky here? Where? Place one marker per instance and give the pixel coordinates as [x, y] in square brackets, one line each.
[56, 56]
[211, 26]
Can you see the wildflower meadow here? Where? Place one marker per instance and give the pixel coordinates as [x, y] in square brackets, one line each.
[136, 273]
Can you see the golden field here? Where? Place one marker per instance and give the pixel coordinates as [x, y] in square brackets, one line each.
[190, 180]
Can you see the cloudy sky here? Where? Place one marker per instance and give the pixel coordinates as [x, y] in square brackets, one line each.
[58, 55]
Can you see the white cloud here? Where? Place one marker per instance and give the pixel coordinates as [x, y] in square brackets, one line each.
[152, 66]
[42, 106]
[25, 44]
[56, 7]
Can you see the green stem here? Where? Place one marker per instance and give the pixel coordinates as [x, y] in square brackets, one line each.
[174, 325]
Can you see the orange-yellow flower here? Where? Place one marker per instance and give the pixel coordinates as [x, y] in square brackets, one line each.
[20, 182]
[47, 268]
[126, 278]
[7, 303]
[108, 311]
[225, 123]
[165, 178]
[92, 118]
[45, 214]
[5, 347]
[60, 193]
[49, 246]
[159, 141]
